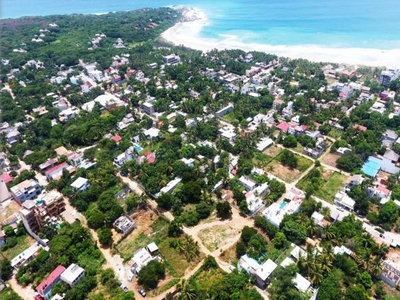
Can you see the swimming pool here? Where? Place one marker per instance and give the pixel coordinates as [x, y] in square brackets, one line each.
[137, 148]
[282, 205]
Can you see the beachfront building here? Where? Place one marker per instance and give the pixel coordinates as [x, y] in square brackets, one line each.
[26, 190]
[289, 205]
[388, 76]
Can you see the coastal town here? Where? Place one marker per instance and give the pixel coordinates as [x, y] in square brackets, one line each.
[134, 168]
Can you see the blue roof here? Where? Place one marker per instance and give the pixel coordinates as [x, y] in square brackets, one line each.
[371, 168]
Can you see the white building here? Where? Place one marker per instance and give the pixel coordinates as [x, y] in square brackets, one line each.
[264, 144]
[170, 186]
[73, 274]
[140, 259]
[26, 190]
[344, 201]
[252, 267]
[248, 183]
[81, 184]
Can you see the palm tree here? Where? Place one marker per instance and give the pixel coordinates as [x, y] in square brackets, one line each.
[185, 290]
[316, 274]
[376, 266]
[312, 228]
[328, 234]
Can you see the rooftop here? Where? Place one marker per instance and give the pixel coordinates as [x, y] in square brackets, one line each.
[51, 279]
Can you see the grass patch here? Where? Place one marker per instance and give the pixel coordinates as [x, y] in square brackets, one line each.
[23, 242]
[230, 117]
[9, 294]
[164, 287]
[217, 236]
[335, 133]
[206, 278]
[331, 187]
[159, 233]
[272, 151]
[285, 173]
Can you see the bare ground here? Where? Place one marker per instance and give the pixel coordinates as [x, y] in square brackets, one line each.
[330, 159]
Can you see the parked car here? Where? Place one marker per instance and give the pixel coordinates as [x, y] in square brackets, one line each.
[123, 287]
[142, 292]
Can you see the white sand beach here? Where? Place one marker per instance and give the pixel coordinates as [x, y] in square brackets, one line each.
[187, 33]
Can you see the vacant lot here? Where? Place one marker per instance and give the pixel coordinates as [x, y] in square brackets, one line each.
[23, 242]
[332, 185]
[272, 151]
[217, 236]
[330, 159]
[8, 208]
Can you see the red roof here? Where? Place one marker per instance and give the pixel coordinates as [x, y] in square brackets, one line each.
[51, 279]
[383, 190]
[6, 178]
[55, 168]
[360, 127]
[116, 138]
[150, 157]
[317, 124]
[283, 126]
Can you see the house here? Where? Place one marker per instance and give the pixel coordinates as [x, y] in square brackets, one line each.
[116, 138]
[152, 248]
[189, 162]
[390, 273]
[45, 287]
[56, 172]
[344, 201]
[264, 144]
[148, 108]
[26, 256]
[297, 253]
[248, 183]
[284, 127]
[318, 219]
[12, 137]
[360, 127]
[151, 133]
[72, 275]
[291, 204]
[123, 158]
[254, 202]
[356, 179]
[388, 138]
[228, 133]
[75, 158]
[223, 111]
[170, 186]
[392, 156]
[81, 184]
[4, 192]
[47, 165]
[252, 267]
[140, 259]
[26, 190]
[379, 191]
[301, 283]
[124, 224]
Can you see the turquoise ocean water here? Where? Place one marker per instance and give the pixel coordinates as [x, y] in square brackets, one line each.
[339, 23]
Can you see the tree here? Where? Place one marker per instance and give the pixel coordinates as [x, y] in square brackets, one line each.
[224, 210]
[330, 288]
[290, 141]
[388, 213]
[365, 279]
[5, 269]
[95, 218]
[247, 234]
[294, 232]
[185, 290]
[203, 210]
[280, 240]
[289, 159]
[240, 249]
[174, 229]
[349, 162]
[105, 236]
[150, 274]
[356, 292]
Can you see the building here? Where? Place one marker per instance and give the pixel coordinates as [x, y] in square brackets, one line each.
[47, 205]
[81, 184]
[26, 190]
[301, 283]
[223, 111]
[171, 59]
[262, 272]
[45, 287]
[4, 193]
[56, 172]
[143, 256]
[264, 144]
[388, 76]
[344, 201]
[148, 108]
[26, 256]
[254, 202]
[170, 186]
[73, 274]
[390, 273]
[248, 183]
[124, 224]
[291, 204]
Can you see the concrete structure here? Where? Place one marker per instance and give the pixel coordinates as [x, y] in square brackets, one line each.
[142, 257]
[148, 108]
[291, 204]
[264, 144]
[223, 111]
[4, 192]
[301, 283]
[248, 183]
[73, 274]
[170, 186]
[26, 190]
[171, 59]
[45, 287]
[25, 256]
[47, 205]
[125, 224]
[81, 184]
[388, 76]
[344, 201]
[390, 273]
[261, 272]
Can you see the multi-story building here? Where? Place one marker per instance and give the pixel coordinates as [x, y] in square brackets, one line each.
[148, 108]
[73, 274]
[35, 212]
[171, 59]
[26, 190]
[388, 76]
[46, 286]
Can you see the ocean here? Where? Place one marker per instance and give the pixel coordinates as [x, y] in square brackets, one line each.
[326, 23]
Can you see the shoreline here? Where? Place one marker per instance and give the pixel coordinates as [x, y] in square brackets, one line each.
[187, 33]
